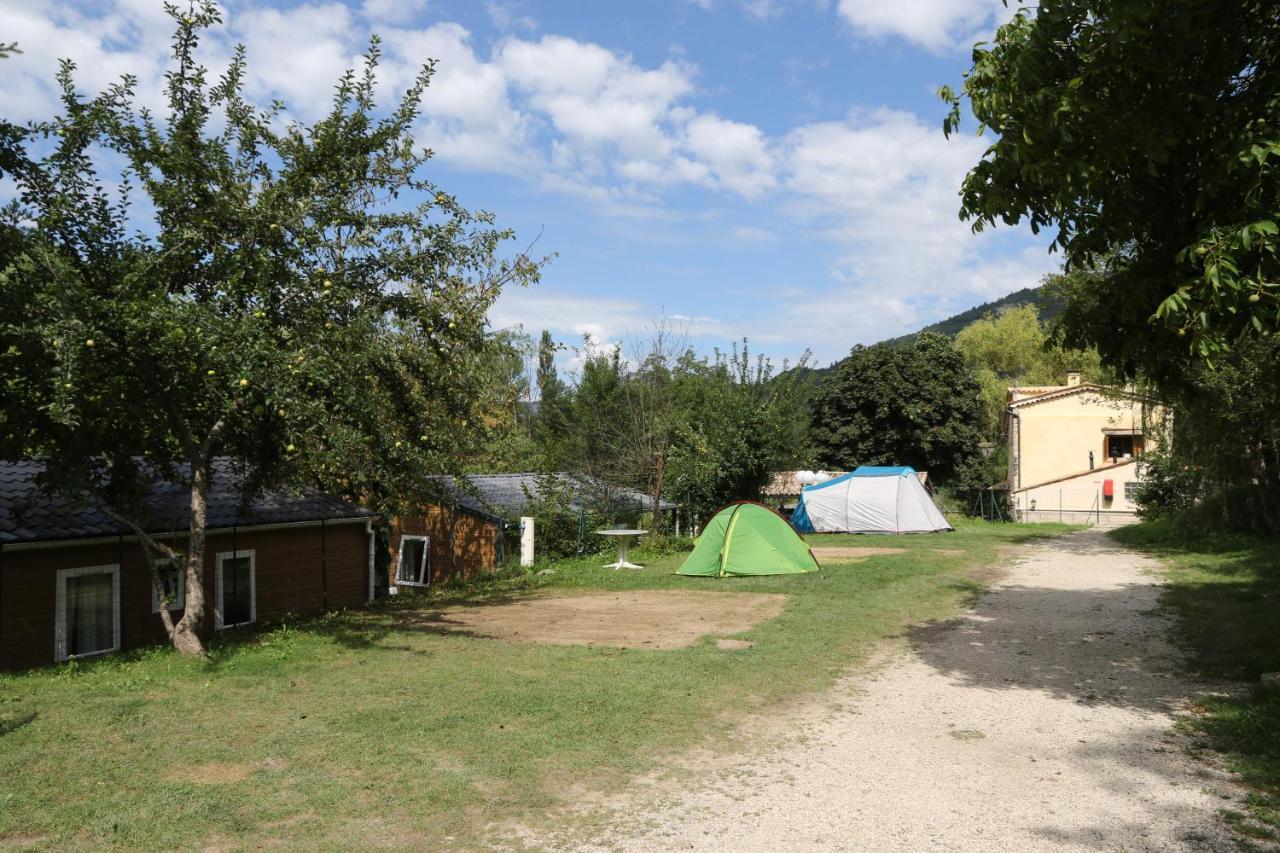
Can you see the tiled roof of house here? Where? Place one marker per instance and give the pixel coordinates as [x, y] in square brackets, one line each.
[1063, 391]
[1023, 392]
[28, 514]
[1037, 394]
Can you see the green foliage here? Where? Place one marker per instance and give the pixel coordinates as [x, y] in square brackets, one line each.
[223, 281]
[1147, 135]
[299, 298]
[1046, 301]
[738, 422]
[1223, 589]
[563, 526]
[587, 437]
[1014, 348]
[1169, 487]
[1219, 463]
[503, 391]
[699, 431]
[917, 405]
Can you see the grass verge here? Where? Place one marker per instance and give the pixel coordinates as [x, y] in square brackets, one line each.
[366, 730]
[1225, 591]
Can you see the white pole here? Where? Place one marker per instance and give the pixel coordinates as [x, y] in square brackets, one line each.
[526, 541]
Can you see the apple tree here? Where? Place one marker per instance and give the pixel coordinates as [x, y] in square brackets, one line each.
[225, 281]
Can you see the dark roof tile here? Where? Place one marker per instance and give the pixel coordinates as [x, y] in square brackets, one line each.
[30, 515]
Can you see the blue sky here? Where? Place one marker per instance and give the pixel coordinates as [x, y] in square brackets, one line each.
[768, 168]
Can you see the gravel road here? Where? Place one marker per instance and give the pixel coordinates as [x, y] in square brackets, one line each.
[1039, 720]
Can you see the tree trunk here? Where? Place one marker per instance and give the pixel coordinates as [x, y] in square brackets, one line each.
[188, 633]
[166, 618]
[1267, 473]
[659, 473]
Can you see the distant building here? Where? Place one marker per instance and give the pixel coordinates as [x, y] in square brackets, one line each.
[782, 492]
[467, 531]
[1074, 451]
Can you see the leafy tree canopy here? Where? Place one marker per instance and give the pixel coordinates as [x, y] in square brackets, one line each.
[224, 281]
[916, 405]
[1014, 348]
[1147, 134]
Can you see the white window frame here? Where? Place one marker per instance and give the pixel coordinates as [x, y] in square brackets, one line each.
[222, 557]
[60, 615]
[424, 570]
[180, 600]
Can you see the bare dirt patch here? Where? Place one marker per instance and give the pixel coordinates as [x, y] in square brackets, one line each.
[637, 619]
[211, 773]
[839, 553]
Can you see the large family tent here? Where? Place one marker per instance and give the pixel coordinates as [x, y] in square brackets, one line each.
[748, 539]
[869, 500]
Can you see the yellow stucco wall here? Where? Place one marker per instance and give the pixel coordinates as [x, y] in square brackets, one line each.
[1079, 494]
[1055, 436]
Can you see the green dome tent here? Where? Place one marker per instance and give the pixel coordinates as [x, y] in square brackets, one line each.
[748, 539]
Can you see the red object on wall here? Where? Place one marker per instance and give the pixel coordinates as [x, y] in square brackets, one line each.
[1108, 488]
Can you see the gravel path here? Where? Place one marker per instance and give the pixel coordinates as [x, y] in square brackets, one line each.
[1039, 720]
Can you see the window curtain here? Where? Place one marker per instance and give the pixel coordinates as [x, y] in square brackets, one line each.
[90, 614]
[411, 558]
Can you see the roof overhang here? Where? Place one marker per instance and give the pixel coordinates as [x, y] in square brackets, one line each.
[1102, 390]
[1099, 470]
[37, 544]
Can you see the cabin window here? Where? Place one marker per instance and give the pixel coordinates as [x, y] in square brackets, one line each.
[87, 621]
[172, 594]
[414, 566]
[235, 589]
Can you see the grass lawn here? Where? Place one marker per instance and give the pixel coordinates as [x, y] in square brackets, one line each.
[1225, 591]
[362, 730]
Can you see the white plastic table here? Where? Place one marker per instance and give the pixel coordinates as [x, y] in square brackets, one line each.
[624, 537]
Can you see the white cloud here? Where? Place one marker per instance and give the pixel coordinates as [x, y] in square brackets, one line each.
[883, 187]
[937, 25]
[597, 99]
[506, 16]
[733, 152]
[391, 11]
[298, 54]
[48, 34]
[468, 116]
[569, 316]
[760, 10]
[877, 190]
[569, 115]
[882, 181]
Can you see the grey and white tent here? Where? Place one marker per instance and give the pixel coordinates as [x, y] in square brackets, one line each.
[869, 500]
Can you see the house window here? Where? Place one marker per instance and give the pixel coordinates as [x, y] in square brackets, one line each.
[235, 590]
[173, 582]
[1131, 491]
[1122, 446]
[87, 621]
[414, 565]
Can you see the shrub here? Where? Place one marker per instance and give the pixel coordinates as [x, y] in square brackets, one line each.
[1167, 487]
